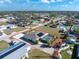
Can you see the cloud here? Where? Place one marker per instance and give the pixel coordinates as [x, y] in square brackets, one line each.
[45, 1]
[1, 2]
[59, 0]
[70, 2]
[4, 1]
[65, 5]
[51, 1]
[9, 1]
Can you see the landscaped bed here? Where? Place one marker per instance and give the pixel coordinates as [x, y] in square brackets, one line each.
[37, 54]
[3, 45]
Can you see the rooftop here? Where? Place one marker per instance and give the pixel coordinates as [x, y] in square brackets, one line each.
[14, 52]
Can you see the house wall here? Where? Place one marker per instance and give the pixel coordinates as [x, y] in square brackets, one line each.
[18, 53]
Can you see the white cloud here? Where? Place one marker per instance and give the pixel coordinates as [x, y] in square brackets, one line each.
[53, 1]
[27, 0]
[50, 1]
[45, 1]
[59, 0]
[70, 2]
[65, 5]
[3, 1]
[9, 1]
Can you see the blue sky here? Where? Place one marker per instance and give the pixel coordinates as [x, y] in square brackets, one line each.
[39, 5]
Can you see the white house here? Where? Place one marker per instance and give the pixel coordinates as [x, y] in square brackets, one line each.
[3, 20]
[18, 51]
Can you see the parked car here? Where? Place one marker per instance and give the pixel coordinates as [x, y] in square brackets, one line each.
[45, 46]
[53, 26]
[71, 40]
[64, 46]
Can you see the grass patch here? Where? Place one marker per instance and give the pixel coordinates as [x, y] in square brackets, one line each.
[52, 31]
[8, 32]
[3, 23]
[65, 55]
[37, 54]
[3, 45]
[18, 29]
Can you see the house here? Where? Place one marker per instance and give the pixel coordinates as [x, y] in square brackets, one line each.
[32, 38]
[3, 20]
[62, 28]
[18, 36]
[74, 30]
[18, 51]
[3, 27]
[45, 37]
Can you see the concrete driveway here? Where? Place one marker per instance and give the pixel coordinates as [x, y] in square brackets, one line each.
[46, 50]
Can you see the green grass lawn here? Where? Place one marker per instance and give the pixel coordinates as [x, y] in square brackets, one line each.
[65, 55]
[37, 54]
[8, 32]
[3, 45]
[18, 29]
[52, 31]
[3, 23]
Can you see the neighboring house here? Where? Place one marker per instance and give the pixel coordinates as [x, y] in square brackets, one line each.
[3, 27]
[75, 30]
[11, 26]
[30, 37]
[61, 27]
[3, 20]
[71, 39]
[18, 36]
[45, 37]
[17, 51]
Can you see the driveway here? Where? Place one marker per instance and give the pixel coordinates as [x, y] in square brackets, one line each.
[46, 50]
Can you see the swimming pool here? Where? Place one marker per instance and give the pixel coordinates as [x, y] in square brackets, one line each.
[34, 21]
[46, 38]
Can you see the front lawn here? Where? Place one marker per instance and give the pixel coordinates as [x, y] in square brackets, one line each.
[3, 45]
[37, 54]
[18, 29]
[65, 55]
[3, 23]
[52, 31]
[8, 32]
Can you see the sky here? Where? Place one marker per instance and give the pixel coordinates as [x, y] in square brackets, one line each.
[39, 5]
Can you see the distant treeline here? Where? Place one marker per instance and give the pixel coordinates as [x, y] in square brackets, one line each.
[58, 12]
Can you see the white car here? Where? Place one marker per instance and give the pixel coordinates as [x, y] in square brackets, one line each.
[64, 46]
